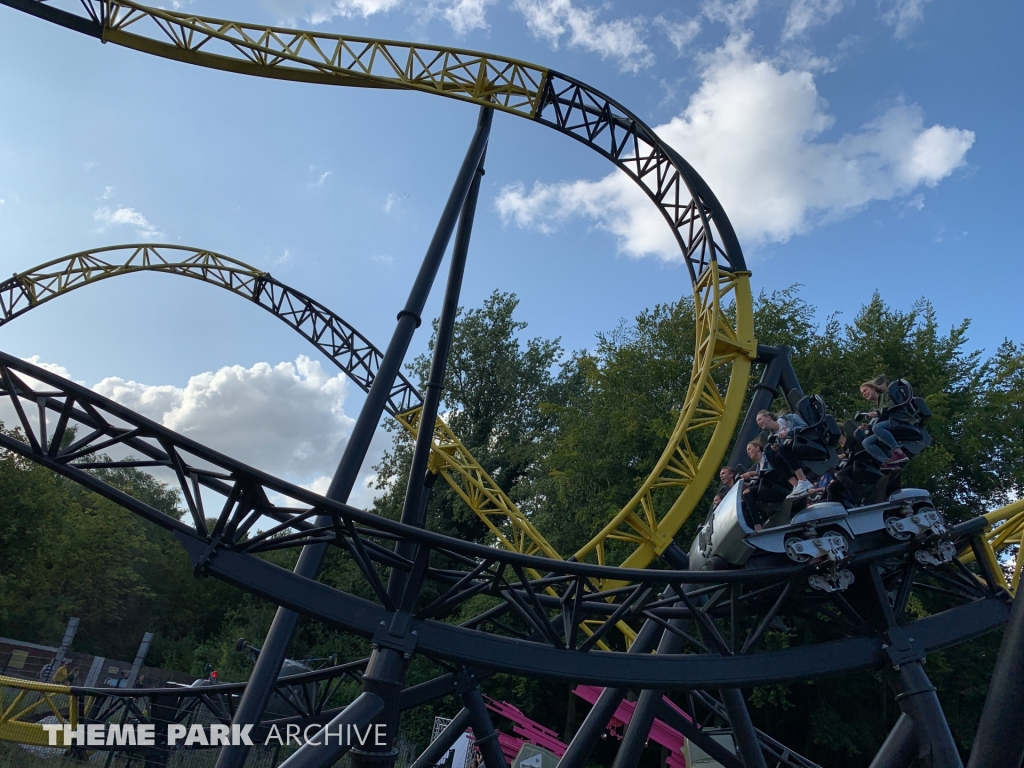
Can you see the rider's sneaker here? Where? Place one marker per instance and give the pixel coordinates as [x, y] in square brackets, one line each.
[802, 488]
[898, 459]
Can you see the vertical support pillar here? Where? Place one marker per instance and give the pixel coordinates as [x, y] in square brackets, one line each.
[65, 645]
[439, 747]
[778, 375]
[899, 747]
[637, 732]
[389, 660]
[361, 713]
[414, 507]
[743, 728]
[918, 700]
[140, 657]
[93, 675]
[743, 731]
[698, 736]
[1000, 739]
[484, 735]
[596, 721]
[914, 691]
[268, 665]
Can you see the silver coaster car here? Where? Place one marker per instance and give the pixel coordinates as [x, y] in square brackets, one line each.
[824, 534]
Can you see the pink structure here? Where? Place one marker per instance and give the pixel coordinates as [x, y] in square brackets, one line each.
[537, 734]
[532, 732]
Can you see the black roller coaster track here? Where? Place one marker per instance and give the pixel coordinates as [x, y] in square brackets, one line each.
[731, 609]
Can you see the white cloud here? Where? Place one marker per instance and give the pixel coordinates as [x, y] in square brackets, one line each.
[323, 177]
[734, 14]
[59, 370]
[363, 492]
[904, 16]
[323, 11]
[107, 192]
[286, 419]
[804, 14]
[680, 34]
[615, 202]
[284, 258]
[382, 258]
[129, 217]
[916, 202]
[620, 39]
[463, 15]
[389, 203]
[752, 131]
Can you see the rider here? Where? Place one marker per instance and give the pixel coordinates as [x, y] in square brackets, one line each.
[880, 444]
[766, 487]
[781, 453]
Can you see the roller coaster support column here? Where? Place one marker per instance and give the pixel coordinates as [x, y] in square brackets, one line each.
[268, 665]
[638, 731]
[361, 713]
[914, 691]
[899, 746]
[917, 698]
[743, 728]
[484, 735]
[1000, 739]
[778, 374]
[596, 721]
[699, 737]
[394, 645]
[445, 740]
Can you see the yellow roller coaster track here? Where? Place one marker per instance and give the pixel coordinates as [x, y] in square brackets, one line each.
[24, 702]
[1006, 529]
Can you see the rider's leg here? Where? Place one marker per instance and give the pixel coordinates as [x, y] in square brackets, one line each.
[880, 444]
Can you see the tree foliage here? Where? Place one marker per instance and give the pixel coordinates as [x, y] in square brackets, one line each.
[65, 551]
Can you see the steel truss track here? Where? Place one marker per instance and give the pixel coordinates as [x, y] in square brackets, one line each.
[524, 631]
[706, 239]
[352, 352]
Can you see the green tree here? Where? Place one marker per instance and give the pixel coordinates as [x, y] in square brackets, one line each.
[65, 551]
[497, 394]
[621, 405]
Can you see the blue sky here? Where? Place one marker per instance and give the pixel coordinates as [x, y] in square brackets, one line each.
[856, 145]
